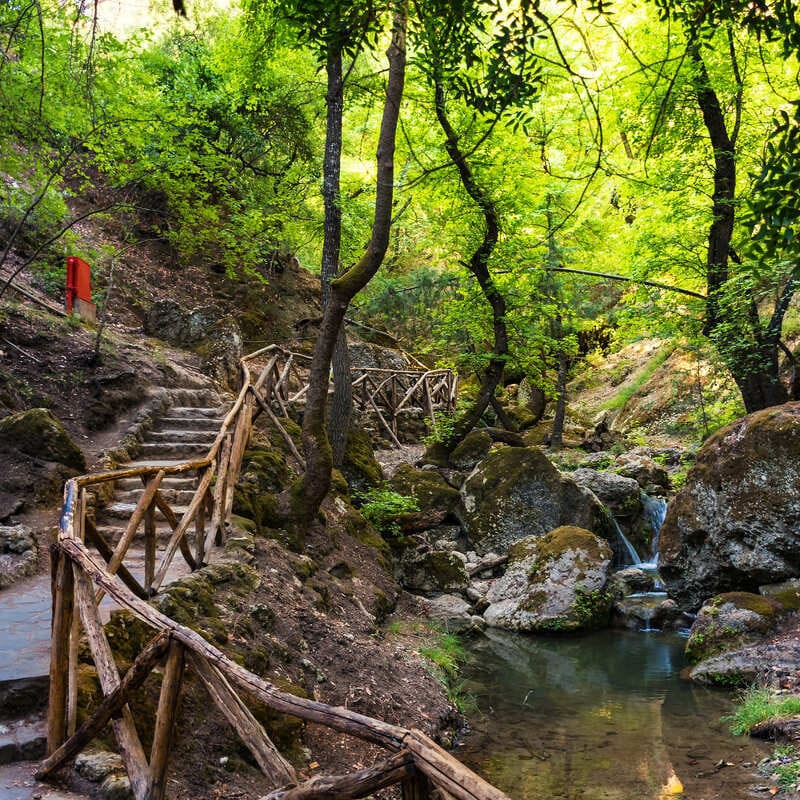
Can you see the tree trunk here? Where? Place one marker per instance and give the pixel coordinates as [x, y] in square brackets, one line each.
[478, 265]
[557, 435]
[756, 374]
[307, 496]
[342, 404]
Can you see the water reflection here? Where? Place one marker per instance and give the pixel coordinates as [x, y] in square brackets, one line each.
[601, 717]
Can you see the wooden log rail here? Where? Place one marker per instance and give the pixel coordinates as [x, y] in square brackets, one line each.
[78, 577]
[80, 580]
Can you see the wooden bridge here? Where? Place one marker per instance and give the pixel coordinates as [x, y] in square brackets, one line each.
[386, 393]
[81, 577]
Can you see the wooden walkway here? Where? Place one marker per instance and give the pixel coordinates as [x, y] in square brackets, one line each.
[386, 393]
[80, 578]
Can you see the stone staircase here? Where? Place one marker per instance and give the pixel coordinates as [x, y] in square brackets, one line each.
[183, 431]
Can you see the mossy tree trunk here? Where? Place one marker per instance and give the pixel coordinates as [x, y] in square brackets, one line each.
[748, 346]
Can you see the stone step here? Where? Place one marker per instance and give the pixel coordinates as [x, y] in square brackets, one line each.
[196, 422]
[25, 630]
[124, 510]
[193, 397]
[193, 412]
[189, 436]
[169, 482]
[23, 739]
[184, 451]
[24, 695]
[113, 533]
[18, 782]
[181, 497]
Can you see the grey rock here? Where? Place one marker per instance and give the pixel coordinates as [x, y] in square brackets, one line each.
[116, 787]
[640, 466]
[454, 613]
[97, 765]
[736, 523]
[516, 492]
[621, 495]
[16, 539]
[771, 665]
[433, 571]
[553, 584]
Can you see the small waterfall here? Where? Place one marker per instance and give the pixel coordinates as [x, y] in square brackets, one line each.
[655, 510]
[632, 554]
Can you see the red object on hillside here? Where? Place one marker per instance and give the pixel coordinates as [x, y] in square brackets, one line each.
[79, 281]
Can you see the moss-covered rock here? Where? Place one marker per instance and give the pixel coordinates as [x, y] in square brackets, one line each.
[516, 492]
[433, 571]
[38, 433]
[264, 474]
[360, 468]
[473, 448]
[427, 487]
[554, 583]
[730, 621]
[522, 416]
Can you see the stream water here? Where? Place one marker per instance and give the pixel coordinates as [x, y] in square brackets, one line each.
[604, 716]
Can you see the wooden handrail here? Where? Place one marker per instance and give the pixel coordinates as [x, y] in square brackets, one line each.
[438, 765]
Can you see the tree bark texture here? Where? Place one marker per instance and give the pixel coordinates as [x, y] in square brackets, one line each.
[753, 359]
[342, 403]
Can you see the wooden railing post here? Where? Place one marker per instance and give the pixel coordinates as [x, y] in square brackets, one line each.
[417, 787]
[165, 720]
[62, 586]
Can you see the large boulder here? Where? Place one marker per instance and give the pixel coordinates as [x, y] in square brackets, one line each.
[172, 322]
[622, 496]
[648, 473]
[431, 571]
[554, 583]
[729, 621]
[38, 433]
[427, 487]
[736, 523]
[516, 492]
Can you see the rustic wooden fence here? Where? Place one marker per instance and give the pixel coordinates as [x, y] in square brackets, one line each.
[80, 579]
[386, 393]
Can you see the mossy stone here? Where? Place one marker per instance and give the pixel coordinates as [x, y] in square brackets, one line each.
[38, 433]
[360, 468]
[474, 447]
[427, 487]
[730, 621]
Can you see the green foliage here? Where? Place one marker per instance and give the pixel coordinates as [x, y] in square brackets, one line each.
[640, 380]
[785, 767]
[759, 705]
[381, 506]
[447, 654]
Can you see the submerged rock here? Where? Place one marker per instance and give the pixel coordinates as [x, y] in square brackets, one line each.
[554, 583]
[736, 523]
[729, 621]
[516, 492]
